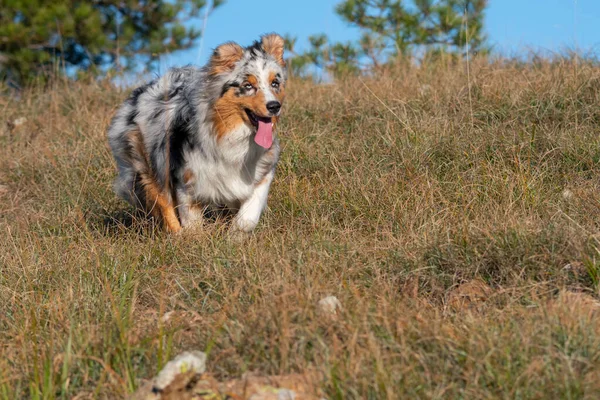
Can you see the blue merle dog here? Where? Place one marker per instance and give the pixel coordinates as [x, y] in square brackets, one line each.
[203, 137]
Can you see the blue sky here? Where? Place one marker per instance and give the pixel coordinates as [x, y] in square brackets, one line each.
[512, 26]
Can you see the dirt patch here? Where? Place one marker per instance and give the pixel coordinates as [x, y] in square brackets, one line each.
[469, 296]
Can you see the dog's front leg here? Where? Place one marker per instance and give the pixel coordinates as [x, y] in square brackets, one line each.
[250, 210]
[190, 212]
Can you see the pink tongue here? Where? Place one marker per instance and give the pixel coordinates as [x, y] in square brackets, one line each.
[264, 135]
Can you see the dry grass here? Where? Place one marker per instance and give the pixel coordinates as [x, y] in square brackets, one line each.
[390, 193]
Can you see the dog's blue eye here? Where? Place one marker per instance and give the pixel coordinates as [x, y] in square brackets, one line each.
[275, 84]
[248, 86]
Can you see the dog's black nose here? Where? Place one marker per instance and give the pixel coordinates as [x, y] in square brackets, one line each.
[273, 107]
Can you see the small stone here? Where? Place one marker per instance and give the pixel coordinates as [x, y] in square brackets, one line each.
[194, 361]
[19, 121]
[286, 394]
[567, 195]
[329, 305]
[577, 268]
[167, 316]
[185, 378]
[424, 90]
[270, 393]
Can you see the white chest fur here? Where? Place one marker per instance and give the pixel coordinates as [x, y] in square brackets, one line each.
[227, 170]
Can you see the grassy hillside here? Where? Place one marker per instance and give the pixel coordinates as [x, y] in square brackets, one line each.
[455, 217]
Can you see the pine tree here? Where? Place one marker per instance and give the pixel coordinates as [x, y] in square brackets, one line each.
[392, 28]
[80, 35]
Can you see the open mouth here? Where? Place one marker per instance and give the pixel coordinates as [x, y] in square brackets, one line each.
[255, 119]
[264, 129]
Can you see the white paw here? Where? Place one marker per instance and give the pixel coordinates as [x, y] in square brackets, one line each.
[238, 237]
[245, 224]
[193, 225]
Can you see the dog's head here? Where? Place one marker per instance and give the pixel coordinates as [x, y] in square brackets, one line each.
[252, 86]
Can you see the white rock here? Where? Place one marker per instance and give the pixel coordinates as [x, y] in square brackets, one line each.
[19, 121]
[185, 362]
[282, 394]
[167, 316]
[286, 394]
[424, 90]
[567, 195]
[329, 305]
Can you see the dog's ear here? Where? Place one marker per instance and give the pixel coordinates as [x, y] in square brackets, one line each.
[224, 58]
[273, 44]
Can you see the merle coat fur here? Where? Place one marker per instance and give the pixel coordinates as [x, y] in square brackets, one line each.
[186, 141]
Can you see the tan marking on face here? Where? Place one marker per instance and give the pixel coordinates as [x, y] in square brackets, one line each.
[252, 80]
[227, 114]
[256, 104]
[278, 95]
[229, 111]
